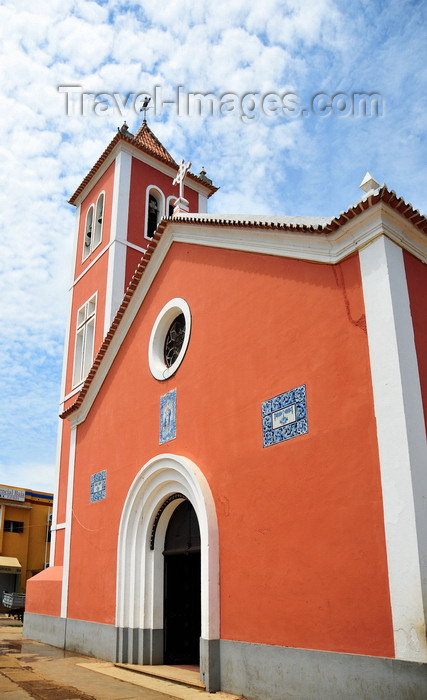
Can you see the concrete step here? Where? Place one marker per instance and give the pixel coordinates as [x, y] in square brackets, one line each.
[186, 675]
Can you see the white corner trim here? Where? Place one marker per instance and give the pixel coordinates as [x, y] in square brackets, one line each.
[203, 204]
[68, 521]
[54, 525]
[119, 225]
[401, 439]
[140, 569]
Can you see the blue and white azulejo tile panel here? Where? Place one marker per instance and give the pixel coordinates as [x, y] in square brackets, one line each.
[284, 416]
[98, 483]
[168, 416]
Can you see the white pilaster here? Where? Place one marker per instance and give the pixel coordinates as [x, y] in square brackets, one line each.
[401, 440]
[68, 521]
[118, 236]
[203, 204]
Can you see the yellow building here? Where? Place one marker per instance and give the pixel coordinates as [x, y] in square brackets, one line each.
[25, 519]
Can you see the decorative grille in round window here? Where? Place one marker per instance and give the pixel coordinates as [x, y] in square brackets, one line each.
[169, 338]
[174, 340]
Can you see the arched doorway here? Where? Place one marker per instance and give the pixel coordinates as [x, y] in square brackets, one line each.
[182, 604]
[149, 506]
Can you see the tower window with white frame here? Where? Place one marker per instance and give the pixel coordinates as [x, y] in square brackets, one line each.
[85, 337]
[99, 217]
[154, 210]
[170, 206]
[93, 226]
[88, 232]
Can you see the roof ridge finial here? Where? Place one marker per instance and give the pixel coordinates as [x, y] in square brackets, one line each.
[145, 106]
[203, 175]
[369, 184]
[124, 129]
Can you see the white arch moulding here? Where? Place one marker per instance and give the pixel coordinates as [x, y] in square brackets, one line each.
[158, 195]
[139, 609]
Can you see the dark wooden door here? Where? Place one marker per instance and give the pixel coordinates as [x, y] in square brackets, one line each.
[182, 606]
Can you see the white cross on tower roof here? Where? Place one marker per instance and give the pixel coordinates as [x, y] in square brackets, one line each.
[179, 180]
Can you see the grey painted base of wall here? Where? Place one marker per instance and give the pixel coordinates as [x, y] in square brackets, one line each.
[256, 671]
[45, 628]
[210, 666]
[262, 672]
[139, 646]
[133, 646]
[89, 638]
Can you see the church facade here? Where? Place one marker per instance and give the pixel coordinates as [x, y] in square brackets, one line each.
[243, 461]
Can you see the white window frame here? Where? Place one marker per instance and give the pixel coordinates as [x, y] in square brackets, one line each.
[170, 202]
[160, 197]
[87, 241]
[85, 340]
[94, 224]
[166, 317]
[99, 219]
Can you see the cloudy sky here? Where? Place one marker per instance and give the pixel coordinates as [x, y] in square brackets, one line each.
[288, 135]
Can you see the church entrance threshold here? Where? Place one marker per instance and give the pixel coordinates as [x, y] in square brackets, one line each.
[182, 604]
[184, 675]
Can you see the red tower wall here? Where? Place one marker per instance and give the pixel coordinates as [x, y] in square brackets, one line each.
[142, 176]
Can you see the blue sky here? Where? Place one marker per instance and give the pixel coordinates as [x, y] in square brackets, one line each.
[266, 161]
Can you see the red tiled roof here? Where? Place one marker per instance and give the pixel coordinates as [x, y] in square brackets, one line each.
[382, 194]
[145, 141]
[150, 143]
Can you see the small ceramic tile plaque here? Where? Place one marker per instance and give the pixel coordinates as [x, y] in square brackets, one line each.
[168, 416]
[284, 416]
[98, 483]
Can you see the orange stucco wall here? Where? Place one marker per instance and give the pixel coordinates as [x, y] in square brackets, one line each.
[417, 287]
[59, 547]
[44, 592]
[302, 551]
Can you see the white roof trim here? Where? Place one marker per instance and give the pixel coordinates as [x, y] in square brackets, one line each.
[265, 219]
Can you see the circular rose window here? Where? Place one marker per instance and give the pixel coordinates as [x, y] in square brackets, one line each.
[174, 340]
[169, 339]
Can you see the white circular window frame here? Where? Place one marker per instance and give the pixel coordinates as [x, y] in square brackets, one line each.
[156, 357]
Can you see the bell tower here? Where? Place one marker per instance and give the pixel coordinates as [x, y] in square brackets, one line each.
[119, 205]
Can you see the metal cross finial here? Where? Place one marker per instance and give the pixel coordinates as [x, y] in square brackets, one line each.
[145, 107]
[179, 180]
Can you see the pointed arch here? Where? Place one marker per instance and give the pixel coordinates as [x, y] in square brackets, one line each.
[139, 610]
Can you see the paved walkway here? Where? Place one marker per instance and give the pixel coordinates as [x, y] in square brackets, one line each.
[33, 670]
